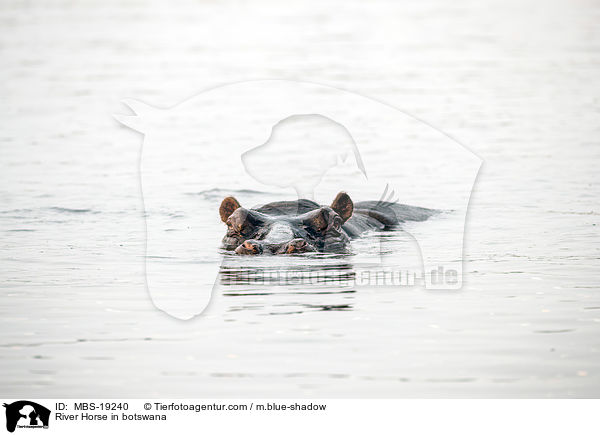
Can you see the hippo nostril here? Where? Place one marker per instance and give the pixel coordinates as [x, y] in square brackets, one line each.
[249, 247]
[298, 246]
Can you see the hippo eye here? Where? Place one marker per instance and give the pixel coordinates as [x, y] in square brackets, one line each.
[232, 228]
[337, 223]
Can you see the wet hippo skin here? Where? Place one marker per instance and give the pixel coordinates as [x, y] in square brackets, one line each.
[289, 227]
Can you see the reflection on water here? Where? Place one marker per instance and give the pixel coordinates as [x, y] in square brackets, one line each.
[291, 275]
[293, 284]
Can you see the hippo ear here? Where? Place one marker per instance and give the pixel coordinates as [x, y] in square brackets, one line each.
[228, 206]
[342, 205]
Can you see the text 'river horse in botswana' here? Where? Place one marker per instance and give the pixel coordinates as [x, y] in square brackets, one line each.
[290, 227]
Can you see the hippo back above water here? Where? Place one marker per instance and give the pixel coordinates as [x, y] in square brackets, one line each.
[288, 227]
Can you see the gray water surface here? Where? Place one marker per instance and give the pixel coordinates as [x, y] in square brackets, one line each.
[516, 82]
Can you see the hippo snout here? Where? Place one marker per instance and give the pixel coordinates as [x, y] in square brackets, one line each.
[255, 247]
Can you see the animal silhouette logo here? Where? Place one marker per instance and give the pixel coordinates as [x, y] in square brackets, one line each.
[300, 139]
[26, 414]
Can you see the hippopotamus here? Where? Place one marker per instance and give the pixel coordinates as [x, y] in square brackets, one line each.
[293, 227]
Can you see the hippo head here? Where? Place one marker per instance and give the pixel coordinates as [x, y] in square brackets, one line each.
[285, 231]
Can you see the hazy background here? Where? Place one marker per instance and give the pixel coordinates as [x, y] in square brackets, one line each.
[516, 82]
